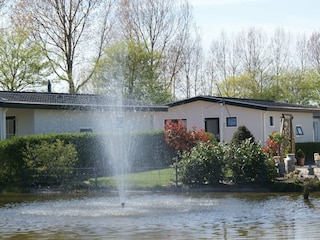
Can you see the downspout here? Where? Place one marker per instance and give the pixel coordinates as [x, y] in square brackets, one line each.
[264, 134]
[222, 122]
[3, 123]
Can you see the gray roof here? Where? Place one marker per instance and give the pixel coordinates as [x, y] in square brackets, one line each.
[267, 105]
[46, 100]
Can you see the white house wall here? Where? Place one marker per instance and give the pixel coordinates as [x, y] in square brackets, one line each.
[257, 121]
[58, 121]
[24, 120]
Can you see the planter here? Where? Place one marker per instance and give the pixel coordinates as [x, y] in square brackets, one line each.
[300, 161]
[290, 162]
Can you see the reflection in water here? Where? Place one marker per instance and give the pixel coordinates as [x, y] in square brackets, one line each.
[160, 216]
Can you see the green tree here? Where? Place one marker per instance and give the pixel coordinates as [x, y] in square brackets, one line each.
[23, 62]
[126, 70]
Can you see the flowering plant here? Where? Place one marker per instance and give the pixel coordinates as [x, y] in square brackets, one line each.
[178, 137]
[273, 143]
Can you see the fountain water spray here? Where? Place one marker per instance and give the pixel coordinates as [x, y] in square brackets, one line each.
[121, 123]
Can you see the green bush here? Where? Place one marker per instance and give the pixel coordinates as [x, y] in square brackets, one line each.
[202, 165]
[150, 152]
[242, 134]
[245, 163]
[50, 163]
[248, 163]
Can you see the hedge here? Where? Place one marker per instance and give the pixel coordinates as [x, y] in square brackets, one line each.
[151, 152]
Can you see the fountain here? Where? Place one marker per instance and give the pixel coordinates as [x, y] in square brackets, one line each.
[121, 122]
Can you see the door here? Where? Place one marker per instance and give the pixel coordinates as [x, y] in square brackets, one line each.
[212, 126]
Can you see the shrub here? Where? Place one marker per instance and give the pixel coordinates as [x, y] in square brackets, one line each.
[180, 139]
[202, 165]
[273, 144]
[249, 164]
[151, 152]
[50, 163]
[242, 134]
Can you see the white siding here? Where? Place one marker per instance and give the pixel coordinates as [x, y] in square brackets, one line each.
[58, 121]
[24, 120]
[257, 121]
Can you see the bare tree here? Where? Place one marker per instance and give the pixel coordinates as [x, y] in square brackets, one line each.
[314, 51]
[73, 34]
[223, 60]
[191, 76]
[302, 52]
[279, 53]
[254, 56]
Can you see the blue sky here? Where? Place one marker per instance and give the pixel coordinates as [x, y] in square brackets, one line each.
[233, 16]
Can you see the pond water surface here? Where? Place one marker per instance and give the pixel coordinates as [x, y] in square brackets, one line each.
[159, 216]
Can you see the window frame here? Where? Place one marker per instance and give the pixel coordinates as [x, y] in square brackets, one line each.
[231, 124]
[11, 120]
[271, 121]
[299, 130]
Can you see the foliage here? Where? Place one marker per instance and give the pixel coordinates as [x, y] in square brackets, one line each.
[242, 134]
[181, 139]
[300, 153]
[203, 164]
[245, 163]
[50, 162]
[273, 144]
[309, 148]
[23, 62]
[13, 169]
[126, 69]
[249, 164]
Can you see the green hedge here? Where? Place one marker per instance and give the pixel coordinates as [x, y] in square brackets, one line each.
[151, 151]
[309, 148]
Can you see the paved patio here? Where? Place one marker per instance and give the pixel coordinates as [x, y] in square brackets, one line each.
[304, 170]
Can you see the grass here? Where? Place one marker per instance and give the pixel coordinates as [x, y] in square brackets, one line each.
[143, 180]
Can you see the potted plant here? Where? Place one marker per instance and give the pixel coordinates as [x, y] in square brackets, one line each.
[300, 157]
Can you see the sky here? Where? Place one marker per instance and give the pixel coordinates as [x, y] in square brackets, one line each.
[233, 16]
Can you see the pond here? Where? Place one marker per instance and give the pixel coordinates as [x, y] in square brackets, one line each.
[159, 216]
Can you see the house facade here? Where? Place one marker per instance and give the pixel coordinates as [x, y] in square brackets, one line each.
[222, 117]
[27, 113]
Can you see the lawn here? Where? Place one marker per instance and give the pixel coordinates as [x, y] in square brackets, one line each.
[143, 180]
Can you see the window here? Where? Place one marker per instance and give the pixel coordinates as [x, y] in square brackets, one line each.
[231, 121]
[10, 126]
[86, 130]
[299, 130]
[184, 121]
[271, 121]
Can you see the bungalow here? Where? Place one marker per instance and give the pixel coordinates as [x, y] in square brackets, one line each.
[222, 116]
[27, 113]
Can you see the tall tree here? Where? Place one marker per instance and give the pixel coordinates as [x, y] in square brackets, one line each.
[23, 64]
[72, 33]
[314, 51]
[125, 71]
[162, 26]
[253, 45]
